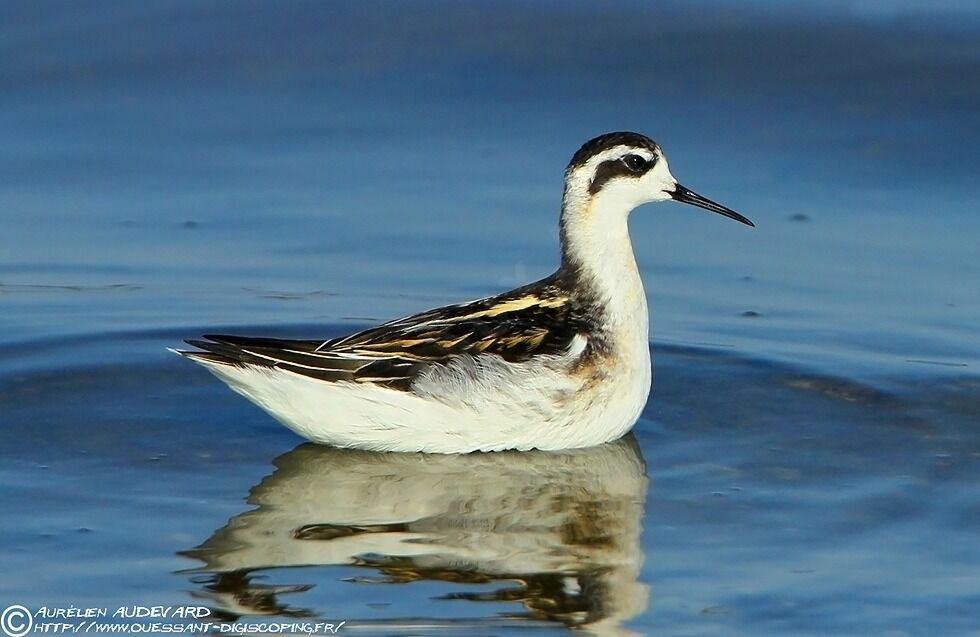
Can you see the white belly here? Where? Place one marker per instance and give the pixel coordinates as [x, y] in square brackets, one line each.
[482, 404]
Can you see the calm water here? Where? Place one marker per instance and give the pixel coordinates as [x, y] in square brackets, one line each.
[809, 461]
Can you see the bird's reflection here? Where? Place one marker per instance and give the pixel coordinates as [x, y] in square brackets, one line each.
[558, 531]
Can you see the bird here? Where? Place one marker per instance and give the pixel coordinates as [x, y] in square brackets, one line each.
[560, 363]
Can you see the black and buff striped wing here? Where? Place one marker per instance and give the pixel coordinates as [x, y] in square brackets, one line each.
[535, 321]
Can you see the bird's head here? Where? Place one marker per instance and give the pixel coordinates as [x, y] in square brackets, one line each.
[616, 172]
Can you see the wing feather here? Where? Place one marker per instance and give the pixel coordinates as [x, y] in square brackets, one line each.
[538, 320]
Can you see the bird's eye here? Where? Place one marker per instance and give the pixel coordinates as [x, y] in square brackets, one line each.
[636, 163]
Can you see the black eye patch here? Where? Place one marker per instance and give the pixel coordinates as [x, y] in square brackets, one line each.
[631, 165]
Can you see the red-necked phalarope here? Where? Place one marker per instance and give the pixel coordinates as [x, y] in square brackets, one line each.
[556, 364]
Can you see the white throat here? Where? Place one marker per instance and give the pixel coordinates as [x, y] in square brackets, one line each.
[596, 242]
[595, 231]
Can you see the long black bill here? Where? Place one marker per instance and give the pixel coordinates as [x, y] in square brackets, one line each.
[684, 195]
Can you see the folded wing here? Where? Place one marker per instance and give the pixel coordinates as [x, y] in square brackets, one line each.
[538, 320]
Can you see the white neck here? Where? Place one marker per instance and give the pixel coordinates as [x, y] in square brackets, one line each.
[596, 243]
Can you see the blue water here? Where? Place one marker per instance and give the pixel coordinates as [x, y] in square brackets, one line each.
[808, 461]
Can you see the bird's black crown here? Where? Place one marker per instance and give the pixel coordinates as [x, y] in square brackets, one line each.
[610, 140]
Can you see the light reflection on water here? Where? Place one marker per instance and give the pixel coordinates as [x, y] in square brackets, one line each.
[556, 533]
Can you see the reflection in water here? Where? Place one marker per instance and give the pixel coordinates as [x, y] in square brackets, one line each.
[559, 531]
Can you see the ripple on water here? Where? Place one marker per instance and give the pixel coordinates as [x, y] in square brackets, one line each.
[765, 498]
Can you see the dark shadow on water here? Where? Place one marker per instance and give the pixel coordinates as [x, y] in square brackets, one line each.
[556, 532]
